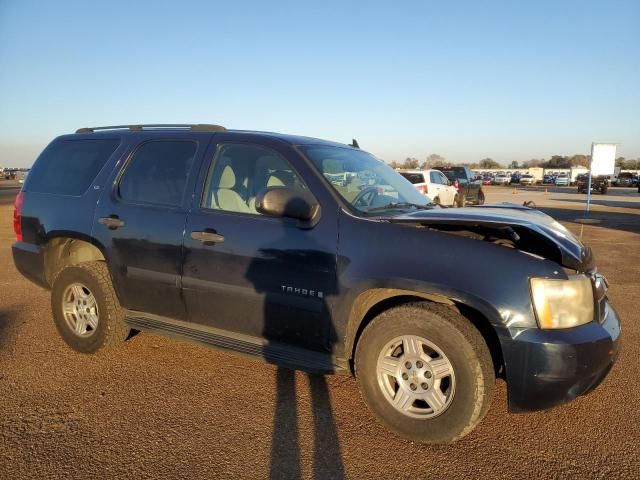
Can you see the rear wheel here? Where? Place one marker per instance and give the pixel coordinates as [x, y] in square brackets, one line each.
[85, 308]
[425, 372]
[480, 197]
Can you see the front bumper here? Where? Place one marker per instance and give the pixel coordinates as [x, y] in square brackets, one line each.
[545, 368]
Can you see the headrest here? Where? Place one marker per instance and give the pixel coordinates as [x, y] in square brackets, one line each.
[280, 178]
[228, 178]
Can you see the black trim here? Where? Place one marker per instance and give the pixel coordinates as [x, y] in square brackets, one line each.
[246, 345]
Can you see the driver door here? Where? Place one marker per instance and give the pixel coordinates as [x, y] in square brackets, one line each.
[248, 273]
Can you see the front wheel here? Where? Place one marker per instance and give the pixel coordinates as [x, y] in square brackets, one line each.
[85, 308]
[425, 372]
[480, 198]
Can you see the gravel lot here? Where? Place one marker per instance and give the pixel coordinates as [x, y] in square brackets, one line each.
[163, 408]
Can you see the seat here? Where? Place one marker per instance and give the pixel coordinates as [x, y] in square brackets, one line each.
[281, 178]
[265, 174]
[225, 197]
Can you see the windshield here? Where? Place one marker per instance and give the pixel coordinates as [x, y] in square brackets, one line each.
[363, 181]
[413, 177]
[454, 174]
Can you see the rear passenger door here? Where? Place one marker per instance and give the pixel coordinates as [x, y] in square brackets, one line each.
[448, 188]
[140, 221]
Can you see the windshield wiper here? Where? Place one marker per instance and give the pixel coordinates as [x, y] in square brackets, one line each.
[396, 205]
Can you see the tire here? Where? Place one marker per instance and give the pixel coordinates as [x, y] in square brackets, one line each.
[436, 200]
[480, 198]
[90, 283]
[603, 191]
[470, 386]
[461, 201]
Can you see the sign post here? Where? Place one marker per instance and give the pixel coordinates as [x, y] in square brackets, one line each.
[603, 162]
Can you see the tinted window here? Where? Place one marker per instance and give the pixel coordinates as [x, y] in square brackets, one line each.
[240, 172]
[68, 167]
[158, 172]
[454, 173]
[413, 177]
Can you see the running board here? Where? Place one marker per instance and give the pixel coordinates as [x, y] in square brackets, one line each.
[246, 345]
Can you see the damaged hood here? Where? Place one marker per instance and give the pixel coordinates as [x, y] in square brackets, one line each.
[528, 229]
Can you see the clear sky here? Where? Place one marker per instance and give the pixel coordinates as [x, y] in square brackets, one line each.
[511, 80]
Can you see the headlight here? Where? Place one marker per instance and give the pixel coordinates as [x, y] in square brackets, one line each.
[562, 303]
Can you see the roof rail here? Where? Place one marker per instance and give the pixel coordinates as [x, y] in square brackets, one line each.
[198, 127]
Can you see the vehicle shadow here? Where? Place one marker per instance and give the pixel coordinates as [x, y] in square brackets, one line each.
[8, 193]
[550, 188]
[290, 319]
[602, 200]
[613, 220]
[6, 320]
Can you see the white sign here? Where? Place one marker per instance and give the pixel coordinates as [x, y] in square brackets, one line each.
[603, 158]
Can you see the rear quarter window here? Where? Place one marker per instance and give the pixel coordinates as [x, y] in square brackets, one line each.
[67, 167]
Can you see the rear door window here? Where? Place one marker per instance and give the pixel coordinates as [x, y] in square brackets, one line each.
[158, 172]
[67, 167]
[435, 178]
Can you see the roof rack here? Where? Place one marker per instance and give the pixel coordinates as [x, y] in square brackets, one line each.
[198, 127]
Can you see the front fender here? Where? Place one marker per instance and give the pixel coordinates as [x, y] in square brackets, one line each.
[367, 296]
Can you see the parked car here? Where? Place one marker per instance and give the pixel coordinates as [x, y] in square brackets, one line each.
[434, 184]
[625, 179]
[527, 180]
[598, 183]
[469, 190]
[501, 180]
[487, 180]
[239, 240]
[515, 178]
[562, 180]
[548, 179]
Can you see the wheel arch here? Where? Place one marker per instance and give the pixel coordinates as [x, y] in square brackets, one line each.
[371, 303]
[62, 251]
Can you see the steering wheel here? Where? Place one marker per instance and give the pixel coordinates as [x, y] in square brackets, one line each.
[371, 192]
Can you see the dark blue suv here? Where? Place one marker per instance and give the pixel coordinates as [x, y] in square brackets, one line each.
[313, 255]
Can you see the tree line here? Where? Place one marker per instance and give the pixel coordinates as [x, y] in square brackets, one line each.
[556, 161]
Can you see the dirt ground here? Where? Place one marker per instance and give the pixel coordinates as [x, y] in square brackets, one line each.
[160, 408]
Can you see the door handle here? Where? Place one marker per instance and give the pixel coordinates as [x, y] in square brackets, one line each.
[112, 222]
[207, 237]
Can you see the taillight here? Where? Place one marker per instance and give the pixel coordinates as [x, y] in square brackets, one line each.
[456, 184]
[423, 189]
[17, 216]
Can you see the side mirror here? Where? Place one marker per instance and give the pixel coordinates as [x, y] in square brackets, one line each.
[287, 202]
